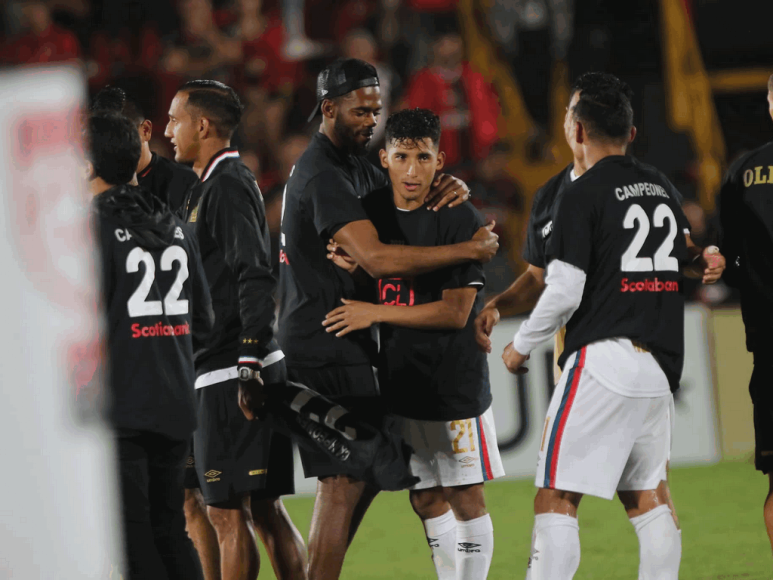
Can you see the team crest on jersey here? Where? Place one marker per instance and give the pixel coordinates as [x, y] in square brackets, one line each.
[547, 230]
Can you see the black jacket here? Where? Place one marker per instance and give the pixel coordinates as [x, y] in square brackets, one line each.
[229, 218]
[746, 241]
[155, 298]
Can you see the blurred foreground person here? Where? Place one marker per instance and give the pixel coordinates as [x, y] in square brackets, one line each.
[155, 297]
[746, 218]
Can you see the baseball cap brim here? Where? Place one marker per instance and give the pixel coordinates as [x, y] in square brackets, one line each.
[327, 90]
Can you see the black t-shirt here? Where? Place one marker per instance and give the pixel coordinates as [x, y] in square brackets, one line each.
[541, 217]
[157, 302]
[622, 224]
[321, 196]
[432, 375]
[168, 181]
[746, 217]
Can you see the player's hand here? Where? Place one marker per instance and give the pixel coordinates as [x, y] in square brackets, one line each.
[446, 190]
[484, 324]
[354, 315]
[486, 243]
[714, 264]
[252, 396]
[340, 258]
[514, 360]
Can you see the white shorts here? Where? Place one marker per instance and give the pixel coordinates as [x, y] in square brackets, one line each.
[453, 453]
[596, 441]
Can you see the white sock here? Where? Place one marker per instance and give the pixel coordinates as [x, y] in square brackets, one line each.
[660, 544]
[555, 548]
[474, 548]
[441, 536]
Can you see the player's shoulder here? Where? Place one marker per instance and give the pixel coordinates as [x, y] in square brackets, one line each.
[464, 214]
[547, 194]
[749, 159]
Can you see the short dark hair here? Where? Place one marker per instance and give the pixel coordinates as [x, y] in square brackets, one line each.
[116, 100]
[218, 102]
[114, 146]
[594, 81]
[412, 125]
[604, 106]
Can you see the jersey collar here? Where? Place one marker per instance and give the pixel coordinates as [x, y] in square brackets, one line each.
[149, 168]
[227, 153]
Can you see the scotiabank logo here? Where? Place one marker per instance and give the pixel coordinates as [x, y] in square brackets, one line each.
[159, 329]
[395, 292]
[648, 285]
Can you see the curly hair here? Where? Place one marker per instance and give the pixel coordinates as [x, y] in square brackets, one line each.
[412, 125]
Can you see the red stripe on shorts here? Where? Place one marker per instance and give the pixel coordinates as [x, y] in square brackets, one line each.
[484, 451]
[565, 416]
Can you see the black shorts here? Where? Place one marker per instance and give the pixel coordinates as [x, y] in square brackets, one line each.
[234, 456]
[354, 387]
[761, 390]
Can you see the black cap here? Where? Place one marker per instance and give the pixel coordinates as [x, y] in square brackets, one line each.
[342, 77]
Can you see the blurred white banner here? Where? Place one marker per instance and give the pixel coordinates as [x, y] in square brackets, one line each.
[58, 516]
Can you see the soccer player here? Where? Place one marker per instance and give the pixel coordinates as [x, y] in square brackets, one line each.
[167, 180]
[321, 201]
[613, 277]
[746, 219]
[523, 294]
[430, 370]
[241, 465]
[155, 298]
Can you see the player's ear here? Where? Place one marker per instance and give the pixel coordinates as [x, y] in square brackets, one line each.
[204, 127]
[579, 133]
[441, 161]
[384, 156]
[146, 130]
[88, 171]
[633, 133]
[328, 108]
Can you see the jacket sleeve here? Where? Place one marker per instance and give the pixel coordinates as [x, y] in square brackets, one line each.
[202, 314]
[235, 219]
[731, 222]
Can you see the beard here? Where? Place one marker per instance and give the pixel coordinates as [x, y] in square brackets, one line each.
[348, 138]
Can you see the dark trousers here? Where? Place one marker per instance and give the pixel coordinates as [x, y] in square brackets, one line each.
[151, 470]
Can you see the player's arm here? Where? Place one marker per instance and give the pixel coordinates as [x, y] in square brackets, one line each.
[337, 213]
[450, 313]
[202, 314]
[730, 219]
[520, 297]
[570, 246]
[234, 222]
[360, 240]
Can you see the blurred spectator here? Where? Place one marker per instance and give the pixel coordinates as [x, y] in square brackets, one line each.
[297, 46]
[290, 151]
[466, 103]
[42, 41]
[202, 50]
[424, 21]
[360, 43]
[532, 34]
[496, 195]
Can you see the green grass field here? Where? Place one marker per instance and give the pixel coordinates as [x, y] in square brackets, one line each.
[720, 508]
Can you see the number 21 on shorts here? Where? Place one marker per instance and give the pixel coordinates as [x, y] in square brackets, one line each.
[463, 426]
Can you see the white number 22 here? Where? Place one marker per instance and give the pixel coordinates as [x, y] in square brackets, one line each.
[663, 261]
[138, 304]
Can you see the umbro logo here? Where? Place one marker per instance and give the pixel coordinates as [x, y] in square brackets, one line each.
[467, 459]
[191, 461]
[432, 542]
[547, 230]
[212, 475]
[467, 547]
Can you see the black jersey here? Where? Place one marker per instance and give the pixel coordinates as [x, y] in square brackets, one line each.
[322, 195]
[746, 217]
[155, 297]
[168, 181]
[622, 224]
[230, 224]
[541, 217]
[432, 375]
